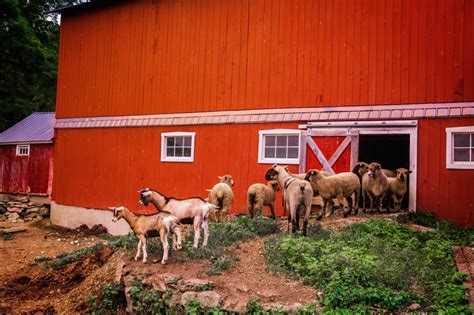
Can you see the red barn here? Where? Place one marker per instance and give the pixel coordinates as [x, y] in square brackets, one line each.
[26, 156]
[170, 94]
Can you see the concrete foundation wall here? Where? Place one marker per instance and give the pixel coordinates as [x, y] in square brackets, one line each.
[72, 217]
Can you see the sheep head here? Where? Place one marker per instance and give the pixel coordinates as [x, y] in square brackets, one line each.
[360, 168]
[145, 196]
[402, 174]
[313, 174]
[118, 213]
[226, 179]
[374, 169]
[274, 184]
[273, 172]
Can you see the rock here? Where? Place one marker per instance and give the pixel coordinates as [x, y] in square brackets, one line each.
[119, 271]
[44, 212]
[12, 217]
[3, 209]
[37, 218]
[292, 309]
[207, 299]
[267, 294]
[128, 283]
[235, 304]
[414, 307]
[242, 288]
[14, 209]
[34, 209]
[22, 199]
[155, 281]
[3, 218]
[171, 279]
[20, 221]
[196, 285]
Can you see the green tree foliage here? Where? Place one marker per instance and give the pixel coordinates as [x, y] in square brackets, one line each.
[29, 39]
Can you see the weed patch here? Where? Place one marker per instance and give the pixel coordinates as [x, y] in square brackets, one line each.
[221, 263]
[67, 258]
[374, 265]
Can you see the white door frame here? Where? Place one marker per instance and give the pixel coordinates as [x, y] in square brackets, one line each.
[354, 129]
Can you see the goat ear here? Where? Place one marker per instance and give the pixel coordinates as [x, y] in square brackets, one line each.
[220, 177]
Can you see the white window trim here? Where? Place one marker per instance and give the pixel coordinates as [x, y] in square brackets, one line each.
[277, 132]
[450, 164]
[165, 158]
[21, 146]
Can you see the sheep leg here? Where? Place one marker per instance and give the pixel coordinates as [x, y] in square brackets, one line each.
[323, 209]
[356, 201]
[298, 209]
[177, 238]
[258, 209]
[289, 215]
[205, 227]
[371, 202]
[272, 209]
[145, 253]
[378, 203]
[139, 248]
[196, 226]
[400, 199]
[306, 218]
[294, 224]
[349, 204]
[250, 207]
[166, 246]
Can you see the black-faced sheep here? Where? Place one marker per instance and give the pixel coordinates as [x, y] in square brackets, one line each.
[259, 195]
[222, 196]
[340, 186]
[374, 186]
[397, 188]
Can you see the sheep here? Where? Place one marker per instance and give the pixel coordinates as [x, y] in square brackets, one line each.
[147, 226]
[259, 195]
[374, 186]
[222, 196]
[297, 194]
[338, 186]
[397, 188]
[192, 208]
[361, 168]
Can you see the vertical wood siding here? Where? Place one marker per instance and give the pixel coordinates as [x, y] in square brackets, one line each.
[143, 57]
[19, 174]
[98, 168]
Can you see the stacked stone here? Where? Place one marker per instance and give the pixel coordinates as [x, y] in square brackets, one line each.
[22, 209]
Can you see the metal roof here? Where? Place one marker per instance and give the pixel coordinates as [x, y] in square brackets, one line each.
[36, 128]
[83, 5]
[322, 114]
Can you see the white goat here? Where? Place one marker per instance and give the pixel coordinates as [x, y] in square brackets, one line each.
[148, 226]
[194, 208]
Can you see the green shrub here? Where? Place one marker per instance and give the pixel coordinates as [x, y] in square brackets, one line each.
[67, 258]
[146, 301]
[218, 264]
[259, 225]
[377, 264]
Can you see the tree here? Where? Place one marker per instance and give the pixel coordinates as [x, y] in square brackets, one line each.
[29, 40]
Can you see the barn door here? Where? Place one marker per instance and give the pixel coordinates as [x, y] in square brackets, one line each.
[332, 150]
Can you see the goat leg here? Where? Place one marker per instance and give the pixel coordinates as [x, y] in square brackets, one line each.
[145, 253]
[205, 227]
[139, 248]
[177, 243]
[197, 230]
[166, 246]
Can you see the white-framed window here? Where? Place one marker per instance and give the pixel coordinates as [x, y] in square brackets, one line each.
[460, 148]
[279, 146]
[177, 146]
[23, 150]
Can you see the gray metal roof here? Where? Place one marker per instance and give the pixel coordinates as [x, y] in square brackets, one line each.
[38, 127]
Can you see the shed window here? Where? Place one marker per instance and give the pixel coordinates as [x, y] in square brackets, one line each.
[23, 150]
[177, 146]
[460, 148]
[279, 146]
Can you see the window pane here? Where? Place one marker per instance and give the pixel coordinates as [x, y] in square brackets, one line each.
[270, 141]
[282, 141]
[472, 155]
[169, 152]
[461, 140]
[169, 141]
[178, 151]
[281, 153]
[187, 152]
[461, 155]
[187, 141]
[472, 140]
[269, 152]
[292, 153]
[293, 141]
[179, 141]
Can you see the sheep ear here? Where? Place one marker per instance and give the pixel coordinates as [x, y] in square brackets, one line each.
[220, 177]
[409, 172]
[274, 165]
[285, 167]
[111, 208]
[208, 189]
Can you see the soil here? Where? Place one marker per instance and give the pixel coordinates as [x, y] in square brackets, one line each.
[26, 287]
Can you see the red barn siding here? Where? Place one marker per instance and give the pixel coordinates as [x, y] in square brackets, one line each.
[143, 57]
[20, 174]
[105, 167]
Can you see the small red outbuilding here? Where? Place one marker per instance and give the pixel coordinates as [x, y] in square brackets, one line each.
[26, 159]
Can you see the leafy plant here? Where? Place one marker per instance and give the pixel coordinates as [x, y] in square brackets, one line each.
[218, 264]
[67, 258]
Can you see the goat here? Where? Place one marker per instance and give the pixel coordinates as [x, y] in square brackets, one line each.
[297, 194]
[194, 208]
[260, 195]
[147, 226]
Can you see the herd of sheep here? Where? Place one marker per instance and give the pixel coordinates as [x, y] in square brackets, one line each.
[371, 180]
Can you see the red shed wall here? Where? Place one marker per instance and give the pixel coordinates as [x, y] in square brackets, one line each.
[143, 57]
[98, 168]
[18, 174]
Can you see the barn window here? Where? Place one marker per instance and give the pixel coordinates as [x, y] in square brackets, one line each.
[460, 148]
[279, 146]
[177, 146]
[23, 150]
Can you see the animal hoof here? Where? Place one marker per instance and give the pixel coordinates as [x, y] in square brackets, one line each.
[136, 258]
[345, 214]
[319, 217]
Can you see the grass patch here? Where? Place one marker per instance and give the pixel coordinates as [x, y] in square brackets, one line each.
[220, 264]
[7, 236]
[67, 258]
[374, 265]
[110, 300]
